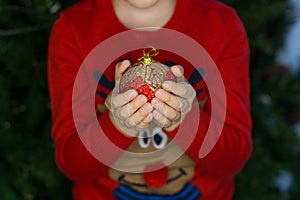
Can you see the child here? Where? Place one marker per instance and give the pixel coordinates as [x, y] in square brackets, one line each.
[123, 116]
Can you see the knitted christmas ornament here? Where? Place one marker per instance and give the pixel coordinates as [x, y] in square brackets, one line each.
[146, 76]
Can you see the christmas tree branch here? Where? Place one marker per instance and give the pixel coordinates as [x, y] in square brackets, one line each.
[23, 30]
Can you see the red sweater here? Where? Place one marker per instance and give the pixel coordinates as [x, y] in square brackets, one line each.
[213, 25]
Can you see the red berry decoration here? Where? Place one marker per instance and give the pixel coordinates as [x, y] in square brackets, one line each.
[147, 91]
[146, 76]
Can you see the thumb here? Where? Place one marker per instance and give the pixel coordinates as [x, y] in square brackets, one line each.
[120, 69]
[178, 71]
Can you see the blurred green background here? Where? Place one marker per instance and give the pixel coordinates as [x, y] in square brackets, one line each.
[27, 168]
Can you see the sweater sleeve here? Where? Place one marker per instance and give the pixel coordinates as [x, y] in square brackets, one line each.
[72, 157]
[234, 143]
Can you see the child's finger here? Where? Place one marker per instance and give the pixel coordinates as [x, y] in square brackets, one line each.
[166, 110]
[120, 69]
[136, 118]
[161, 120]
[179, 89]
[178, 71]
[118, 100]
[130, 108]
[169, 99]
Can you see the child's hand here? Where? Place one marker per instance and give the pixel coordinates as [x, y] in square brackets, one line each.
[129, 111]
[173, 101]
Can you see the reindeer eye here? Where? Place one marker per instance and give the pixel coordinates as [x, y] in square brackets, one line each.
[144, 138]
[159, 139]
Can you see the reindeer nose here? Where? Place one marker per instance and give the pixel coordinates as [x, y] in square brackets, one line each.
[156, 175]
